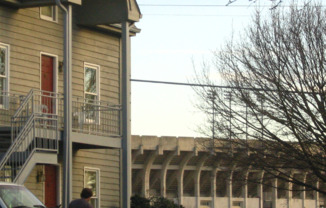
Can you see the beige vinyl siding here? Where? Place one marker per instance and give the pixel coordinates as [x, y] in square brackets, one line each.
[37, 188]
[108, 162]
[97, 48]
[28, 36]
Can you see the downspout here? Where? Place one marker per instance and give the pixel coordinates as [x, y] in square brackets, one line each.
[126, 115]
[67, 143]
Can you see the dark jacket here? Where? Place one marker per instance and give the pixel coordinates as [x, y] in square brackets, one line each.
[80, 203]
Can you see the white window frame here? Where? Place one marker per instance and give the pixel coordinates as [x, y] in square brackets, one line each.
[98, 194]
[53, 18]
[6, 76]
[97, 94]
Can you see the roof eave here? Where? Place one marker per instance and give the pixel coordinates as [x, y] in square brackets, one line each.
[106, 12]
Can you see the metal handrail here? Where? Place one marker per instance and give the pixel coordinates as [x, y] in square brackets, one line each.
[99, 103]
[24, 103]
[34, 147]
[25, 140]
[14, 145]
[96, 117]
[9, 103]
[43, 111]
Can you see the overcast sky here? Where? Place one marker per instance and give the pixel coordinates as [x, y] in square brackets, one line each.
[171, 39]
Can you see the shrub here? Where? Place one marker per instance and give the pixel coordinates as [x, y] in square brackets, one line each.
[139, 202]
[154, 202]
[161, 202]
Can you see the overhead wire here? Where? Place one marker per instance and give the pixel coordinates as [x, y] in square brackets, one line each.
[252, 5]
[213, 5]
[197, 15]
[213, 86]
[189, 84]
[187, 14]
[190, 5]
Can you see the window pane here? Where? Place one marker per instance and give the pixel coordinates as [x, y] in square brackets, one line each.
[2, 61]
[90, 181]
[90, 80]
[90, 108]
[93, 202]
[47, 11]
[90, 98]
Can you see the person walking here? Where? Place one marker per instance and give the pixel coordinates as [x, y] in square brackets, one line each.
[83, 202]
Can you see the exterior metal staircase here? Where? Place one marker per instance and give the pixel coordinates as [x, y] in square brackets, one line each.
[34, 136]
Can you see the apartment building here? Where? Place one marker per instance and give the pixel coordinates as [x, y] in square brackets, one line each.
[65, 98]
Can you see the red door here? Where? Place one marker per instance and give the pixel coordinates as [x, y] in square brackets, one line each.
[47, 83]
[50, 185]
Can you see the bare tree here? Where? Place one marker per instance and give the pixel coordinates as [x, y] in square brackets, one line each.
[272, 115]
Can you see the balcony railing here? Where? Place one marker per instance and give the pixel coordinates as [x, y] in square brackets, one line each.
[88, 116]
[33, 128]
[9, 103]
[95, 117]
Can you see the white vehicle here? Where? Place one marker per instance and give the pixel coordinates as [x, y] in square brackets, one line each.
[17, 196]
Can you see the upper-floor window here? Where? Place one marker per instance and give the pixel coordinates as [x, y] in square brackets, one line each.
[4, 74]
[91, 92]
[49, 13]
[92, 181]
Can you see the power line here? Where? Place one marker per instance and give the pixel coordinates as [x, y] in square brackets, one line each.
[214, 5]
[215, 86]
[252, 5]
[190, 5]
[186, 84]
[196, 15]
[176, 83]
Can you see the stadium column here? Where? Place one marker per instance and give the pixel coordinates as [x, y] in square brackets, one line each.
[245, 190]
[229, 189]
[182, 166]
[147, 170]
[213, 187]
[316, 194]
[303, 193]
[274, 192]
[289, 194]
[165, 169]
[197, 179]
[260, 189]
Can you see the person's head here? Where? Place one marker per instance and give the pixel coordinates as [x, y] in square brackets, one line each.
[86, 193]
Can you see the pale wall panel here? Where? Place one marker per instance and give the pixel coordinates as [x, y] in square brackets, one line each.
[108, 161]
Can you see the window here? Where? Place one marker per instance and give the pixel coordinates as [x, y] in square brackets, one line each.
[4, 74]
[91, 90]
[92, 181]
[49, 13]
